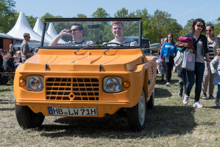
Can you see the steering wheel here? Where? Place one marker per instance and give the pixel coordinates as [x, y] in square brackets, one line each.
[112, 43]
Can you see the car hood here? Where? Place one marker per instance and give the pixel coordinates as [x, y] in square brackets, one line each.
[89, 60]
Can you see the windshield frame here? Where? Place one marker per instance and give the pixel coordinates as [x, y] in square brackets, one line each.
[90, 19]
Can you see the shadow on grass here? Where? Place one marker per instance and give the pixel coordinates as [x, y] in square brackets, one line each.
[2, 101]
[161, 121]
[162, 93]
[7, 109]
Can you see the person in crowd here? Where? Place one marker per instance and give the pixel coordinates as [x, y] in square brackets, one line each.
[182, 44]
[17, 59]
[118, 30]
[1, 62]
[25, 51]
[2, 52]
[200, 45]
[76, 32]
[8, 63]
[213, 44]
[12, 49]
[216, 69]
[162, 41]
[168, 52]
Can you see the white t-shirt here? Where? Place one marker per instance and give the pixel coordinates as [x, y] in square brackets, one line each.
[125, 42]
[83, 43]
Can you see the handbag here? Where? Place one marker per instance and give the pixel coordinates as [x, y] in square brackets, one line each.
[178, 60]
[161, 69]
[167, 59]
[188, 61]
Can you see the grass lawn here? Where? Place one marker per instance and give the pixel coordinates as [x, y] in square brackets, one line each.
[170, 123]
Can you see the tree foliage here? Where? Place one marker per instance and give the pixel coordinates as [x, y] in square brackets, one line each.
[31, 20]
[122, 13]
[7, 15]
[161, 24]
[48, 15]
[155, 26]
[100, 13]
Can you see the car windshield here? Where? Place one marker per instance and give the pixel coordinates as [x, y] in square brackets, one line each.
[91, 33]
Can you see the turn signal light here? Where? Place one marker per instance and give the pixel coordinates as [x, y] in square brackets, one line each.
[126, 84]
[22, 82]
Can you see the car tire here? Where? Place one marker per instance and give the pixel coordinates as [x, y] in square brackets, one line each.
[27, 118]
[137, 115]
[150, 103]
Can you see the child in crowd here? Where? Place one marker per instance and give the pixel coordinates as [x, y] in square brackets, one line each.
[216, 60]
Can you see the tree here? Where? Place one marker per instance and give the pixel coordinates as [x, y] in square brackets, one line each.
[81, 16]
[31, 20]
[7, 15]
[161, 24]
[100, 13]
[186, 28]
[145, 20]
[48, 15]
[121, 13]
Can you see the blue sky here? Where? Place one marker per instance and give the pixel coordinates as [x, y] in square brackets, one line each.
[181, 10]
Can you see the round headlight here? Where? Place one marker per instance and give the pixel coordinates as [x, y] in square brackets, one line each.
[112, 84]
[35, 83]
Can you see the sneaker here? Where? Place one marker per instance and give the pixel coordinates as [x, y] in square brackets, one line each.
[197, 105]
[211, 96]
[204, 96]
[168, 84]
[185, 99]
[217, 102]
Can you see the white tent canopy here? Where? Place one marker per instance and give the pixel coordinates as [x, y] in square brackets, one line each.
[52, 32]
[22, 26]
[2, 35]
[38, 27]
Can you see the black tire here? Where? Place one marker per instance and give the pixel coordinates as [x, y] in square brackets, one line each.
[137, 115]
[150, 103]
[27, 118]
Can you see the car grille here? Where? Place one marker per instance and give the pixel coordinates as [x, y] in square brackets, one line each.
[85, 89]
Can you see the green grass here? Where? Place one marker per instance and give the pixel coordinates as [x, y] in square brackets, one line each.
[170, 123]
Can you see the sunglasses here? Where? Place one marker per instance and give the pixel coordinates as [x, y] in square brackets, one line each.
[201, 26]
[74, 30]
[208, 30]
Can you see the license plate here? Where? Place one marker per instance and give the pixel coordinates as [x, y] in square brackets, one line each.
[72, 111]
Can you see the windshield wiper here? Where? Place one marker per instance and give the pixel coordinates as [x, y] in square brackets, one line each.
[81, 48]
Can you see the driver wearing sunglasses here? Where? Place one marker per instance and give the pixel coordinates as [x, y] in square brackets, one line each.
[76, 32]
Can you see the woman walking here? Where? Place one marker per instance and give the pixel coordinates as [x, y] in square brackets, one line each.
[200, 45]
[168, 52]
[213, 44]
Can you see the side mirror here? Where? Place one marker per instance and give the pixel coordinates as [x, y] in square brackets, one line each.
[93, 26]
[155, 47]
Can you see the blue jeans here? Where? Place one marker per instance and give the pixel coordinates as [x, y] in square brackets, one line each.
[190, 75]
[218, 92]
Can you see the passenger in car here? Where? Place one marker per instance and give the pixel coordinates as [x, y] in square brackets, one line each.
[118, 30]
[76, 32]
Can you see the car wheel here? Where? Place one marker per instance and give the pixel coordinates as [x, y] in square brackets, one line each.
[27, 118]
[150, 103]
[137, 114]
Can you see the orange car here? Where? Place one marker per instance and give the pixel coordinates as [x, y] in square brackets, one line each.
[98, 76]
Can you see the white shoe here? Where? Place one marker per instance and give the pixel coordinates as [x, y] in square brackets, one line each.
[217, 101]
[168, 84]
[185, 99]
[197, 105]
